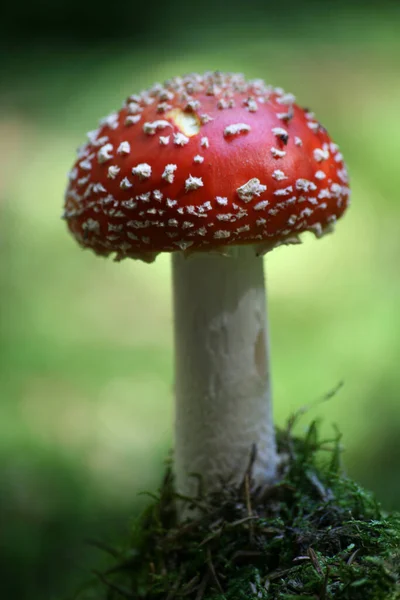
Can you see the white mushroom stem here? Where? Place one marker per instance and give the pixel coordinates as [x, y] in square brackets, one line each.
[222, 375]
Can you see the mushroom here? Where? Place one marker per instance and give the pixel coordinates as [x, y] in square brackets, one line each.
[218, 171]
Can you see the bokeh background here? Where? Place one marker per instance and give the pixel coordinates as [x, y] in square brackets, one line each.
[86, 404]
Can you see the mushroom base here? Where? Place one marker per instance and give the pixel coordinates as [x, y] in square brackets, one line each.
[316, 534]
[222, 379]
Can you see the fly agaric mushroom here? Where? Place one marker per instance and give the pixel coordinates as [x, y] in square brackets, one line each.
[218, 171]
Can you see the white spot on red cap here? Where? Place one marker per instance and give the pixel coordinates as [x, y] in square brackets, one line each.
[285, 116]
[110, 120]
[204, 142]
[93, 135]
[226, 217]
[338, 156]
[236, 129]
[201, 231]
[166, 95]
[152, 127]
[91, 225]
[82, 151]
[143, 170]
[253, 187]
[343, 175]
[279, 175]
[115, 228]
[132, 119]
[144, 197]
[82, 181]
[184, 245]
[104, 154]
[320, 154]
[276, 153]
[336, 189]
[124, 148]
[193, 183]
[130, 204]
[180, 139]
[100, 141]
[305, 185]
[98, 188]
[134, 108]
[113, 171]
[73, 174]
[163, 107]
[316, 228]
[314, 126]
[168, 173]
[284, 191]
[286, 99]
[306, 212]
[251, 105]
[221, 234]
[221, 201]
[86, 165]
[192, 105]
[281, 133]
[164, 140]
[324, 193]
[138, 224]
[125, 184]
[261, 205]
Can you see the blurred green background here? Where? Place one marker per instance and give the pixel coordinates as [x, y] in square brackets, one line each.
[86, 406]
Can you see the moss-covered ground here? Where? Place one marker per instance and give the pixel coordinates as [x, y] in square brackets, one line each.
[313, 535]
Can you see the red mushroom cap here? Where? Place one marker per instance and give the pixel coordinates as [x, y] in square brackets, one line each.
[201, 162]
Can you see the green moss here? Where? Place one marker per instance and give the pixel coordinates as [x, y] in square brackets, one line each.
[314, 535]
